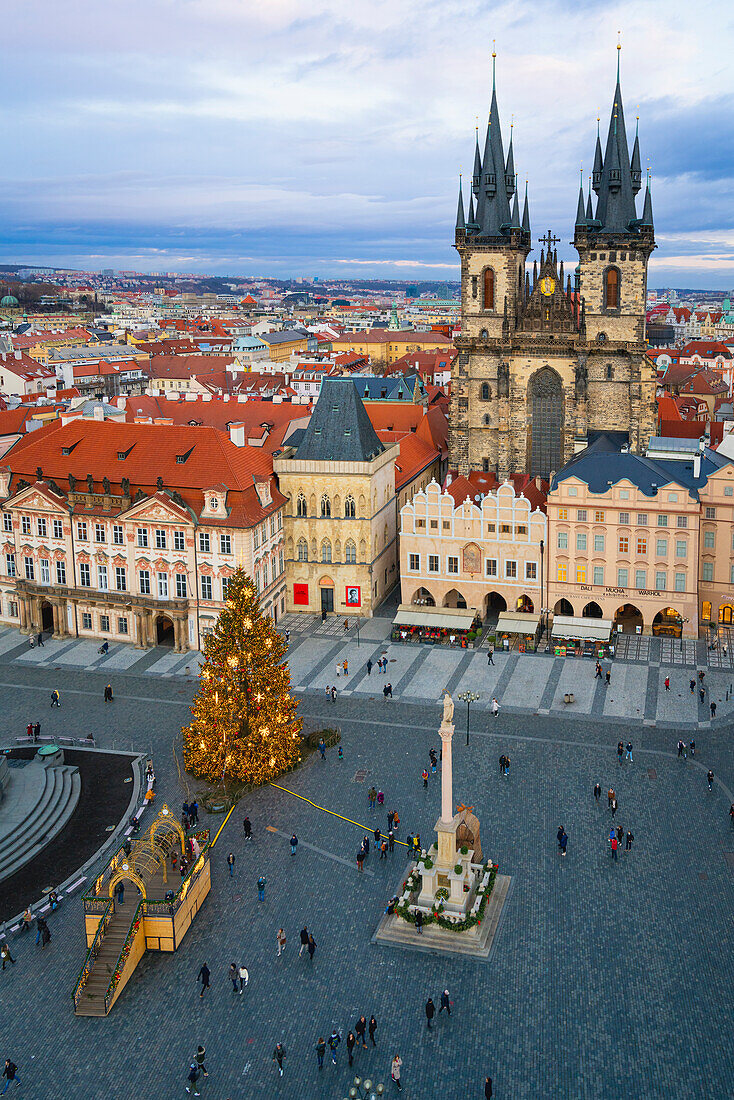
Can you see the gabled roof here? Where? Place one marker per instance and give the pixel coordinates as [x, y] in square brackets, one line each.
[339, 429]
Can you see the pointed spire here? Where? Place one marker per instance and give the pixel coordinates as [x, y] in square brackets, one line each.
[510, 181]
[589, 205]
[616, 208]
[598, 160]
[477, 174]
[515, 220]
[471, 222]
[526, 212]
[535, 273]
[580, 212]
[560, 275]
[647, 209]
[635, 168]
[460, 223]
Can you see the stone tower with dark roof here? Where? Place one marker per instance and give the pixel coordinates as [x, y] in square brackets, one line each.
[542, 361]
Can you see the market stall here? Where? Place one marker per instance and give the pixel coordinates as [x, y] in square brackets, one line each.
[434, 625]
[580, 637]
[517, 628]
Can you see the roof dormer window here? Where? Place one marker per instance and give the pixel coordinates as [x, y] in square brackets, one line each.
[214, 503]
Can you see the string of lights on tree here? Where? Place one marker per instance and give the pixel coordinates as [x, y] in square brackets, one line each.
[244, 723]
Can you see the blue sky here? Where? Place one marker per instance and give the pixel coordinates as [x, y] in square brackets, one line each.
[280, 138]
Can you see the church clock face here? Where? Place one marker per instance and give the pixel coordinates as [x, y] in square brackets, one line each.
[547, 286]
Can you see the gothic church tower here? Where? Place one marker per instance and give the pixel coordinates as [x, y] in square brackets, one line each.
[541, 363]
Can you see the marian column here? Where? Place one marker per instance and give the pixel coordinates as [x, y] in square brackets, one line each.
[446, 732]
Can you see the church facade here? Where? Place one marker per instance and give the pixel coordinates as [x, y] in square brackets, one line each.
[545, 359]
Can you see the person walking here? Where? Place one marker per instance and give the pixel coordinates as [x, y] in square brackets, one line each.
[597, 791]
[233, 976]
[360, 859]
[712, 708]
[424, 777]
[320, 1051]
[487, 1088]
[614, 806]
[311, 946]
[247, 826]
[383, 849]
[294, 844]
[322, 748]
[701, 675]
[692, 747]
[395, 1069]
[369, 667]
[628, 752]
[304, 941]
[506, 766]
[261, 888]
[201, 1059]
[667, 683]
[192, 1078]
[55, 700]
[495, 708]
[351, 1040]
[11, 1073]
[597, 674]
[203, 976]
[108, 694]
[372, 1028]
[40, 927]
[287, 637]
[702, 694]
[610, 797]
[391, 841]
[39, 639]
[333, 694]
[430, 1012]
[37, 731]
[628, 842]
[387, 691]
[490, 655]
[359, 1029]
[372, 797]
[278, 1056]
[692, 685]
[243, 976]
[376, 836]
[710, 778]
[564, 842]
[614, 843]
[620, 752]
[280, 941]
[230, 864]
[366, 844]
[334, 1040]
[681, 746]
[608, 678]
[559, 834]
[345, 666]
[8, 958]
[419, 922]
[620, 836]
[390, 819]
[445, 1002]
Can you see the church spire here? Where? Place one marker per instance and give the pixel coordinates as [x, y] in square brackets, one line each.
[589, 205]
[510, 166]
[526, 212]
[477, 173]
[635, 169]
[460, 223]
[515, 222]
[647, 209]
[471, 221]
[580, 212]
[616, 207]
[598, 159]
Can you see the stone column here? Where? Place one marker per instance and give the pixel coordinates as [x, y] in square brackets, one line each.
[55, 610]
[139, 636]
[446, 732]
[176, 634]
[23, 612]
[150, 625]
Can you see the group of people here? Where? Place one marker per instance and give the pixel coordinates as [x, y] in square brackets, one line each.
[33, 731]
[189, 814]
[616, 833]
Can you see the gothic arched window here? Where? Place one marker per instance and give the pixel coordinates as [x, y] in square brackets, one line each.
[545, 402]
[301, 508]
[611, 288]
[484, 334]
[349, 510]
[610, 372]
[486, 420]
[326, 551]
[488, 288]
[350, 553]
[485, 391]
[302, 550]
[325, 507]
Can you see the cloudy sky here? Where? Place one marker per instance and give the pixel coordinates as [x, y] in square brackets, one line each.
[281, 137]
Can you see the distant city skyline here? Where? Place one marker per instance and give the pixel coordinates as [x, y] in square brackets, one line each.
[226, 138]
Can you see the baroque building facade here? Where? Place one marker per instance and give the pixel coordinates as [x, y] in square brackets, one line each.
[543, 358]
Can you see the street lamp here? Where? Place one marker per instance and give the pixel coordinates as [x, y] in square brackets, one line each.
[468, 697]
[365, 1090]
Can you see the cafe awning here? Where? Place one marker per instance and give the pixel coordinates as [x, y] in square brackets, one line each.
[443, 618]
[585, 630]
[517, 622]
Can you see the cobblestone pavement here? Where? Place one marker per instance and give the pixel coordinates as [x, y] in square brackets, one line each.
[607, 978]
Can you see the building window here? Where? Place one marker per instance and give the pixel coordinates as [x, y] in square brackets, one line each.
[624, 517]
[490, 567]
[599, 517]
[414, 562]
[102, 578]
[662, 521]
[122, 626]
[706, 610]
[225, 544]
[640, 578]
[598, 574]
[474, 282]
[728, 490]
[349, 508]
[8, 521]
[681, 548]
[673, 497]
[58, 529]
[563, 513]
[624, 494]
[661, 548]
[350, 553]
[326, 551]
[206, 587]
[610, 372]
[179, 542]
[710, 513]
[484, 392]
[580, 574]
[622, 578]
[641, 544]
[488, 286]
[563, 540]
[709, 539]
[29, 573]
[433, 563]
[12, 609]
[204, 543]
[163, 586]
[661, 580]
[265, 574]
[624, 544]
[144, 581]
[682, 521]
[117, 534]
[599, 542]
[302, 550]
[99, 532]
[580, 541]
[562, 572]
[301, 509]
[325, 507]
[120, 578]
[81, 530]
[707, 573]
[531, 570]
[452, 564]
[181, 592]
[104, 624]
[45, 571]
[511, 570]
[731, 574]
[86, 620]
[10, 564]
[642, 519]
[272, 526]
[85, 575]
[60, 572]
[160, 538]
[142, 533]
[680, 582]
[611, 288]
[581, 515]
[25, 525]
[41, 521]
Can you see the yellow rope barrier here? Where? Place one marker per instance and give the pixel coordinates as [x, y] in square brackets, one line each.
[366, 828]
[216, 838]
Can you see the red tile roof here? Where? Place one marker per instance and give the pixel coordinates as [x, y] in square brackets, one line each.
[534, 489]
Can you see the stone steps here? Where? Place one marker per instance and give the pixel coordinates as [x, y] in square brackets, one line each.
[91, 1002]
[45, 816]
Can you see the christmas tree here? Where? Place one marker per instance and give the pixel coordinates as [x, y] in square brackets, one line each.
[244, 719]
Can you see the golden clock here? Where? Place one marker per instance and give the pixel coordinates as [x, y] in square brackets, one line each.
[547, 285]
